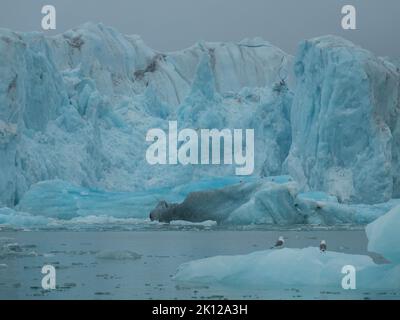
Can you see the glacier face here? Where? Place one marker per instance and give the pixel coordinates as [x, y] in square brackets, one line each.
[345, 122]
[77, 106]
[75, 109]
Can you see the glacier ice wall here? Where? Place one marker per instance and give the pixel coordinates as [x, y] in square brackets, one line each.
[77, 106]
[345, 122]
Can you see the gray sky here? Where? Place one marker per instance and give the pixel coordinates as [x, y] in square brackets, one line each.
[169, 25]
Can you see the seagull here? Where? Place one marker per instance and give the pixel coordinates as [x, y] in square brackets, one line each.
[322, 246]
[279, 243]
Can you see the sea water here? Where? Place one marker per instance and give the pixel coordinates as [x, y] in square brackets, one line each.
[140, 264]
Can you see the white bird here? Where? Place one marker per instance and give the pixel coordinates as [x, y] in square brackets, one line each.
[279, 243]
[322, 246]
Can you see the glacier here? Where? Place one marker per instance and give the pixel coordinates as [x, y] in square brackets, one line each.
[345, 122]
[76, 106]
[75, 109]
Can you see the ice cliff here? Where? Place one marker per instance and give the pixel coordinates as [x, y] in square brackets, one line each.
[75, 109]
[345, 122]
[77, 106]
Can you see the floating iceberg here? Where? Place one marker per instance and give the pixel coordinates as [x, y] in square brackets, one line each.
[21, 219]
[8, 249]
[62, 200]
[288, 268]
[225, 201]
[308, 267]
[118, 255]
[384, 236]
[205, 224]
[272, 200]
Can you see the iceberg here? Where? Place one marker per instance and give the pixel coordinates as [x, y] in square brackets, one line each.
[322, 208]
[226, 201]
[383, 235]
[58, 199]
[61, 200]
[272, 201]
[308, 267]
[14, 218]
[118, 255]
[288, 268]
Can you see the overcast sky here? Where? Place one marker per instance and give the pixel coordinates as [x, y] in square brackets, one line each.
[169, 25]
